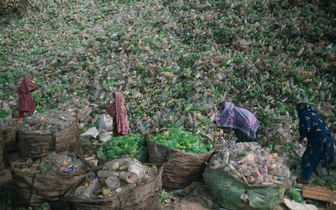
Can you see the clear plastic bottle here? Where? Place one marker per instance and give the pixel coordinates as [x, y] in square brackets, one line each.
[89, 177]
[137, 168]
[249, 158]
[226, 155]
[128, 177]
[122, 189]
[114, 164]
[112, 182]
[234, 171]
[104, 173]
[85, 192]
[264, 171]
[153, 170]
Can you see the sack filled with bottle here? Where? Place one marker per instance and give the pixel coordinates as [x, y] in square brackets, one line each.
[55, 130]
[245, 175]
[123, 183]
[9, 129]
[46, 179]
[184, 154]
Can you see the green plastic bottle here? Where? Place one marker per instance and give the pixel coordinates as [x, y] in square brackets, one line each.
[297, 196]
[101, 154]
[164, 196]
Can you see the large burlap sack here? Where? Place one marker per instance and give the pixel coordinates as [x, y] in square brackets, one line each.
[38, 145]
[228, 191]
[181, 168]
[35, 188]
[142, 197]
[10, 139]
[2, 150]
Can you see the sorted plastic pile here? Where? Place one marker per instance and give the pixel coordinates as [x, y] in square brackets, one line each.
[250, 163]
[183, 140]
[46, 123]
[219, 51]
[53, 162]
[132, 145]
[117, 176]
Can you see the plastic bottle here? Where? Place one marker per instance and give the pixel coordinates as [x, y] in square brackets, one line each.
[137, 168]
[264, 171]
[107, 193]
[97, 185]
[85, 192]
[101, 154]
[104, 173]
[164, 196]
[128, 177]
[247, 159]
[243, 169]
[114, 164]
[19, 164]
[123, 189]
[240, 147]
[183, 192]
[55, 167]
[256, 174]
[226, 155]
[234, 152]
[153, 170]
[297, 196]
[112, 182]
[217, 164]
[89, 177]
[234, 171]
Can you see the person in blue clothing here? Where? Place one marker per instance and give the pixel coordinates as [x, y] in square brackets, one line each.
[320, 141]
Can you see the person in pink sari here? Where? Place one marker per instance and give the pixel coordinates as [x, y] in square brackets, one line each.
[117, 110]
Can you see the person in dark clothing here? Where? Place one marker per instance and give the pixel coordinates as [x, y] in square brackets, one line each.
[320, 141]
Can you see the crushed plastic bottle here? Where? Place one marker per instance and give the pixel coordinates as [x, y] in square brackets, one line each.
[137, 168]
[112, 182]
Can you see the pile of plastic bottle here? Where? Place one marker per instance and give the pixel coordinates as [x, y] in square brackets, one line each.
[64, 162]
[117, 176]
[48, 122]
[250, 163]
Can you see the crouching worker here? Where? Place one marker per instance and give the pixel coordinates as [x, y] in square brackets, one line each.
[244, 124]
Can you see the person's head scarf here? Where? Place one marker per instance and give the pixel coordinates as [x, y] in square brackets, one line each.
[26, 86]
[238, 118]
[303, 107]
[121, 114]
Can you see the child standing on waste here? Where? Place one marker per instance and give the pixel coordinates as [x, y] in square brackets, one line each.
[117, 110]
[320, 141]
[26, 102]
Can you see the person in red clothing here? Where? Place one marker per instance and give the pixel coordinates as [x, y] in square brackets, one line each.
[26, 103]
[117, 110]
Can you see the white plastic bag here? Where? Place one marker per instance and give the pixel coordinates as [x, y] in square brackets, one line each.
[105, 128]
[85, 137]
[93, 132]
